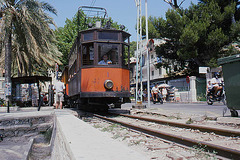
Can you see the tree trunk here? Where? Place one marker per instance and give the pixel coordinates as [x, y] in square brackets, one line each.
[20, 70]
[30, 67]
[8, 58]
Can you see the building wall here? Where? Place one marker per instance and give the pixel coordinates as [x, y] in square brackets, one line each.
[155, 73]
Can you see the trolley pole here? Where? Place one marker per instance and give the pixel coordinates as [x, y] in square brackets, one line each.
[148, 69]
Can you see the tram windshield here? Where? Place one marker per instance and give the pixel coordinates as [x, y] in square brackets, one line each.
[108, 54]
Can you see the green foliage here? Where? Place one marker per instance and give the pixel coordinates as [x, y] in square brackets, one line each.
[48, 134]
[66, 36]
[1, 102]
[197, 36]
[201, 97]
[31, 46]
[110, 128]
[133, 48]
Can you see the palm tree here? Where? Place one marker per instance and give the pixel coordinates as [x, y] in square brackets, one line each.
[26, 36]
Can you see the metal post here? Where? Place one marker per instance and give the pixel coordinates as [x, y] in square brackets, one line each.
[188, 91]
[50, 94]
[137, 52]
[148, 71]
[8, 110]
[39, 96]
[141, 61]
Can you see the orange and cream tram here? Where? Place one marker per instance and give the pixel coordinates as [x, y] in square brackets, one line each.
[93, 82]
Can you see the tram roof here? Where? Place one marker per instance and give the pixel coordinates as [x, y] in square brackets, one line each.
[104, 29]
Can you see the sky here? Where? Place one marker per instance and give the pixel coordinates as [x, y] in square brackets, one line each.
[122, 11]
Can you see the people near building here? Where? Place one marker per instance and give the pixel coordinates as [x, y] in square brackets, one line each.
[59, 88]
[34, 91]
[216, 84]
[145, 94]
[105, 60]
[154, 92]
[209, 87]
[164, 93]
[45, 99]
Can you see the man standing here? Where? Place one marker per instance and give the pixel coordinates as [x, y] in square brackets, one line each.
[164, 94]
[59, 88]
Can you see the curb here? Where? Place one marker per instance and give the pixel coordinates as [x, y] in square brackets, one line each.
[26, 154]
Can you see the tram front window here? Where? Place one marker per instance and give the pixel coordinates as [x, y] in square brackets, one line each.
[108, 54]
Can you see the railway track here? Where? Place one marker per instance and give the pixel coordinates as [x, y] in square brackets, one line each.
[218, 149]
[224, 132]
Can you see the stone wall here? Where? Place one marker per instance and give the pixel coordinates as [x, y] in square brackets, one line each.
[19, 126]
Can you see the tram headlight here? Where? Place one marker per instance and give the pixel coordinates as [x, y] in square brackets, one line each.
[108, 84]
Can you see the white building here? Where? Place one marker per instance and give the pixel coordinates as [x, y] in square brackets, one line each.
[155, 73]
[159, 75]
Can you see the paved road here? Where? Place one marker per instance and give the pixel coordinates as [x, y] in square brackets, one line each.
[191, 108]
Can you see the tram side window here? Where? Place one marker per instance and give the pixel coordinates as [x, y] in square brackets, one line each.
[125, 55]
[88, 54]
[108, 54]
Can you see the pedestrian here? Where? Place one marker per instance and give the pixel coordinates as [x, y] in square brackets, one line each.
[145, 94]
[34, 95]
[59, 88]
[209, 86]
[155, 92]
[164, 93]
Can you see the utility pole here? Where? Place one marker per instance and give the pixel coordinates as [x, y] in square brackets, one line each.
[148, 69]
[137, 60]
[141, 55]
[139, 43]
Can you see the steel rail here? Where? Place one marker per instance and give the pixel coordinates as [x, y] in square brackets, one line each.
[220, 150]
[219, 131]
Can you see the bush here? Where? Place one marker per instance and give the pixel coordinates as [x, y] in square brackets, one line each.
[2, 102]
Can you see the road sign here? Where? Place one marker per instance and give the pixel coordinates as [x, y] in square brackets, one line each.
[188, 79]
[203, 70]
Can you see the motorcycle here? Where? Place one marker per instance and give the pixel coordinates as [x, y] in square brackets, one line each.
[211, 97]
[159, 99]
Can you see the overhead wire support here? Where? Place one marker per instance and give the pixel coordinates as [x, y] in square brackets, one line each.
[141, 49]
[148, 69]
[139, 61]
[137, 58]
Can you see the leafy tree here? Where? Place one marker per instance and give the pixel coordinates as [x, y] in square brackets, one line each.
[66, 36]
[197, 36]
[26, 36]
[174, 4]
[133, 48]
